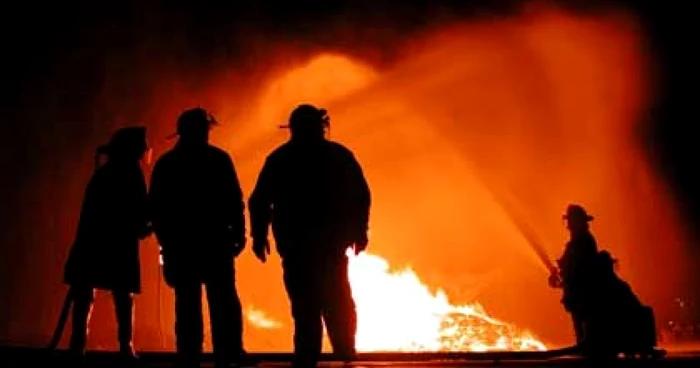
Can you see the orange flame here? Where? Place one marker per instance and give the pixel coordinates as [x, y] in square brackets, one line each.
[397, 312]
[260, 319]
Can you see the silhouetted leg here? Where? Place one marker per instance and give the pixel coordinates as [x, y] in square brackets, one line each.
[339, 311]
[124, 308]
[189, 327]
[226, 316]
[304, 298]
[82, 309]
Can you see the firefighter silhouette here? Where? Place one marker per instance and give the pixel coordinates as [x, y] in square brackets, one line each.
[577, 267]
[314, 194]
[105, 254]
[198, 218]
[609, 318]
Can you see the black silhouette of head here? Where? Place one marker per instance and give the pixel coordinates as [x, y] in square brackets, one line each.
[126, 144]
[308, 122]
[193, 125]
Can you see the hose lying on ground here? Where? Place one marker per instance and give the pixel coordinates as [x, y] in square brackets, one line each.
[62, 319]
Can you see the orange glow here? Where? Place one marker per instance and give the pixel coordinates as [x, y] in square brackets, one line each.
[521, 115]
[397, 312]
[259, 319]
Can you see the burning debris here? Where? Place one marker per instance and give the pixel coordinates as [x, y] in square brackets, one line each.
[470, 328]
[397, 312]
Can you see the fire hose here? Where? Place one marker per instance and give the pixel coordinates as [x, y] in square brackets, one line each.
[62, 319]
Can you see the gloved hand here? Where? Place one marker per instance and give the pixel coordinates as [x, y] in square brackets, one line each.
[554, 279]
[261, 248]
[360, 243]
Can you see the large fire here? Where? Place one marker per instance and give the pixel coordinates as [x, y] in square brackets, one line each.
[397, 312]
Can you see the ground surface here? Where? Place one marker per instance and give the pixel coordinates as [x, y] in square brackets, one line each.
[26, 357]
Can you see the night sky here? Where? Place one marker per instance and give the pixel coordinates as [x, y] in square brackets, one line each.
[72, 71]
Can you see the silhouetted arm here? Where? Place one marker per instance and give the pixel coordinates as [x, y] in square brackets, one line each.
[235, 203]
[157, 202]
[360, 200]
[260, 203]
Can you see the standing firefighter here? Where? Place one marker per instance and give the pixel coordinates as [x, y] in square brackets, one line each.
[198, 219]
[619, 322]
[314, 193]
[577, 268]
[105, 254]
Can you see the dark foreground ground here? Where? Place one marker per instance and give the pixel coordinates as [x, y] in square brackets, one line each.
[26, 357]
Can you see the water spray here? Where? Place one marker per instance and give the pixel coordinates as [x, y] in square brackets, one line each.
[526, 230]
[502, 196]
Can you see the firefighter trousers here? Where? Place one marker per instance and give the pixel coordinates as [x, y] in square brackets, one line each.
[319, 292]
[83, 298]
[225, 315]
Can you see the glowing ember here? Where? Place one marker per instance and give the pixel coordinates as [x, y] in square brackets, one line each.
[258, 318]
[397, 312]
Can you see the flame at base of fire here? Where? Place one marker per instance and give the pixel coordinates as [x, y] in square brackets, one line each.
[397, 312]
[259, 319]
